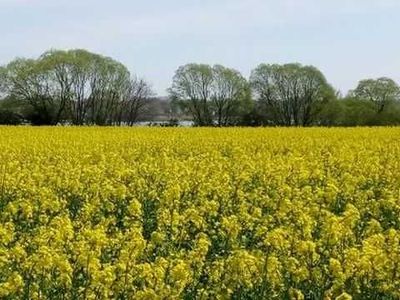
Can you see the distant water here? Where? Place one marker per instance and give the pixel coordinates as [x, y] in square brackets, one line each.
[161, 123]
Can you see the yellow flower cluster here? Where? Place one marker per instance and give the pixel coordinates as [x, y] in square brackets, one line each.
[122, 213]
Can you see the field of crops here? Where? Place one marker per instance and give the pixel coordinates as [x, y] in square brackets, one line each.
[100, 213]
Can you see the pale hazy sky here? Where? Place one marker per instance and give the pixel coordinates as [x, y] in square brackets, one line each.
[348, 40]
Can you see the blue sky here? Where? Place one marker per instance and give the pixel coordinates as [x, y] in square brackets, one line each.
[347, 39]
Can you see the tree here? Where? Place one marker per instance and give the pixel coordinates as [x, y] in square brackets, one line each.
[381, 92]
[135, 100]
[91, 86]
[192, 84]
[211, 94]
[12, 112]
[294, 94]
[109, 82]
[75, 85]
[230, 94]
[8, 117]
[28, 81]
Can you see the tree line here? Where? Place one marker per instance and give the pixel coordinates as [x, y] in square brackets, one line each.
[75, 87]
[78, 87]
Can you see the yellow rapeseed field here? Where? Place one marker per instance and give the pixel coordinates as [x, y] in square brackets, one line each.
[158, 213]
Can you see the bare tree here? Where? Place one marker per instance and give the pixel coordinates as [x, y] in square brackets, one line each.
[135, 100]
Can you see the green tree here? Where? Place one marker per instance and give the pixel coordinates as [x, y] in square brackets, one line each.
[90, 86]
[293, 94]
[75, 85]
[230, 95]
[12, 112]
[211, 95]
[28, 81]
[381, 92]
[192, 86]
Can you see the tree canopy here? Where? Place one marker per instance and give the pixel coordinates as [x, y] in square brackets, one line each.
[381, 92]
[211, 94]
[292, 93]
[74, 85]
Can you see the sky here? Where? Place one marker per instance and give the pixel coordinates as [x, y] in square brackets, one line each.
[347, 40]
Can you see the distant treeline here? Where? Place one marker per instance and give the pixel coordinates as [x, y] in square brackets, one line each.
[77, 87]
